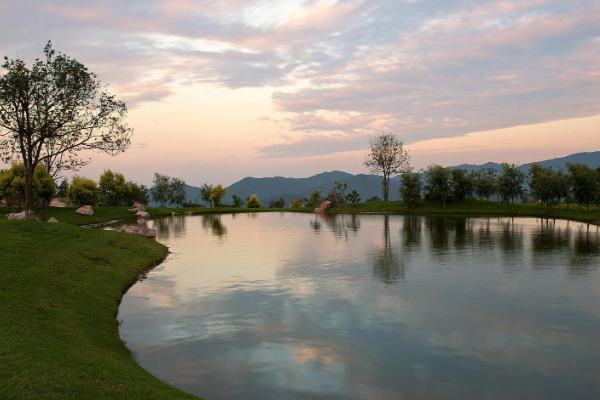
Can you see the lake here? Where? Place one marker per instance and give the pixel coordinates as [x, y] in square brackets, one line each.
[302, 306]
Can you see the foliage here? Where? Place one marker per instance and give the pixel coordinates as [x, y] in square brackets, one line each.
[177, 191]
[237, 201]
[297, 203]
[437, 183]
[337, 195]
[353, 197]
[485, 183]
[114, 190]
[54, 110]
[61, 190]
[205, 191]
[543, 184]
[410, 188]
[374, 198]
[83, 191]
[387, 157]
[216, 195]
[253, 202]
[585, 184]
[462, 185]
[139, 193]
[12, 186]
[161, 189]
[510, 182]
[277, 203]
[315, 199]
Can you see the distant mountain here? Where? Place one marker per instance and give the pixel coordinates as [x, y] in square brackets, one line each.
[366, 185]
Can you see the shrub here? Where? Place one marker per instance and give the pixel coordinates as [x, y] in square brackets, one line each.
[216, 195]
[277, 203]
[237, 201]
[253, 202]
[338, 193]
[353, 197]
[315, 199]
[83, 191]
[12, 186]
[297, 203]
[115, 191]
[374, 198]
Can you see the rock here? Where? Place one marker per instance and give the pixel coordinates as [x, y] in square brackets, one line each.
[143, 214]
[56, 202]
[136, 207]
[85, 210]
[323, 206]
[139, 230]
[16, 216]
[53, 220]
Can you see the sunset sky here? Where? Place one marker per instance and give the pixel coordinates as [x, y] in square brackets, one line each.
[220, 90]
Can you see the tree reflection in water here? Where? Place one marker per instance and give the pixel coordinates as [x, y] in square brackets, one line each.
[213, 222]
[386, 266]
[170, 226]
[340, 224]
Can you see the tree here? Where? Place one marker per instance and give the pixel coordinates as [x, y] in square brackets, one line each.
[437, 183]
[277, 203]
[83, 191]
[564, 186]
[297, 203]
[237, 201]
[139, 193]
[51, 112]
[61, 190]
[543, 184]
[216, 195]
[161, 189]
[177, 191]
[410, 188]
[315, 199]
[387, 157]
[485, 183]
[12, 186]
[510, 182]
[585, 184]
[114, 189]
[338, 193]
[462, 184]
[205, 190]
[253, 201]
[353, 197]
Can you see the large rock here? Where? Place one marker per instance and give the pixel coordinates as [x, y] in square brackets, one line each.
[85, 210]
[139, 230]
[57, 202]
[16, 216]
[323, 206]
[143, 214]
[53, 220]
[136, 207]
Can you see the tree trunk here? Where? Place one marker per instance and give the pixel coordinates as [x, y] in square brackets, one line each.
[386, 188]
[29, 193]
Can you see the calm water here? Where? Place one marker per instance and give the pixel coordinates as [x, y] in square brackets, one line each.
[297, 306]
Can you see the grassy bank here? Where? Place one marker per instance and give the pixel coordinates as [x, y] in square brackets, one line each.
[60, 286]
[474, 208]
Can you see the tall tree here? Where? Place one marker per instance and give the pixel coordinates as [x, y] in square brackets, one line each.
[438, 183]
[51, 112]
[114, 189]
[543, 184]
[161, 189]
[410, 188]
[216, 195]
[205, 191]
[387, 157]
[485, 183]
[510, 182]
[585, 184]
[177, 191]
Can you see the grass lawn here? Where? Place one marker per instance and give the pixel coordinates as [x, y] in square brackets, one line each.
[474, 208]
[60, 286]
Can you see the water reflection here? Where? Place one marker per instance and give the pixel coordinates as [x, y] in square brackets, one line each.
[170, 226]
[459, 308]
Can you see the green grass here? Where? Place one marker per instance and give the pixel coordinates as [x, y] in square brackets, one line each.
[474, 207]
[60, 287]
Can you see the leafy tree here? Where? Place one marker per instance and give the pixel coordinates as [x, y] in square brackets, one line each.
[337, 195]
[543, 184]
[12, 186]
[161, 189]
[216, 195]
[83, 191]
[353, 197]
[410, 188]
[374, 198]
[564, 186]
[297, 203]
[585, 184]
[510, 182]
[237, 201]
[462, 184]
[139, 193]
[315, 199]
[485, 183]
[438, 183]
[277, 203]
[114, 189]
[61, 190]
[54, 110]
[177, 191]
[205, 190]
[387, 157]
[253, 201]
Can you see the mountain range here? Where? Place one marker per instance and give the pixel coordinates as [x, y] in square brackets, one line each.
[366, 185]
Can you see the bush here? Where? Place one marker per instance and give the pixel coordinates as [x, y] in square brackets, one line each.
[337, 195]
[353, 197]
[297, 203]
[237, 201]
[374, 198]
[115, 191]
[83, 191]
[12, 186]
[315, 199]
[216, 195]
[253, 202]
[277, 203]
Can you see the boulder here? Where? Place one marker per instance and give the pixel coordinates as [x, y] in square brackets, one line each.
[16, 216]
[57, 202]
[53, 220]
[85, 210]
[139, 230]
[323, 206]
[143, 214]
[136, 207]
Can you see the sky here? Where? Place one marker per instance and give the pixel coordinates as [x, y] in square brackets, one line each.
[221, 90]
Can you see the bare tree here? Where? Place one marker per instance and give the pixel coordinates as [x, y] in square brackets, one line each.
[54, 110]
[387, 157]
